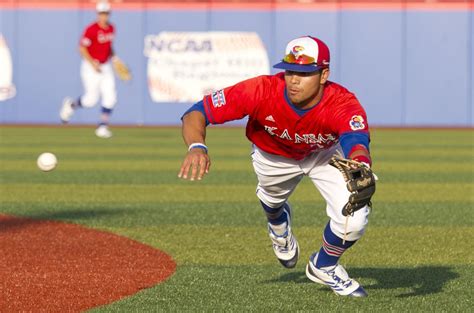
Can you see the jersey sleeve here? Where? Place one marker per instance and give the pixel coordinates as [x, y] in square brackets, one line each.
[87, 37]
[352, 139]
[350, 116]
[198, 106]
[351, 124]
[235, 102]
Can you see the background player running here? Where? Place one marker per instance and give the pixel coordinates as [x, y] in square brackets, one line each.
[297, 121]
[96, 71]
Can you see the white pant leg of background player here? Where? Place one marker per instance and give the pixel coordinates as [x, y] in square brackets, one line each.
[277, 177]
[332, 186]
[91, 80]
[107, 86]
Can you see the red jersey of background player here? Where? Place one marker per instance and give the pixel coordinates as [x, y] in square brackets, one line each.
[98, 41]
[273, 124]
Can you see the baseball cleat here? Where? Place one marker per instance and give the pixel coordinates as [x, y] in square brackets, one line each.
[335, 277]
[285, 246]
[67, 110]
[103, 132]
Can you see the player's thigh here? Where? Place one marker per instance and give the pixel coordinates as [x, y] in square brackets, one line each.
[277, 177]
[107, 87]
[91, 82]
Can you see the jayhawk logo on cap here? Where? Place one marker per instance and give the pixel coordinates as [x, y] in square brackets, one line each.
[297, 51]
[357, 122]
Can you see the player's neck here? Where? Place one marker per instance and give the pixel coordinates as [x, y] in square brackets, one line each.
[311, 102]
[103, 24]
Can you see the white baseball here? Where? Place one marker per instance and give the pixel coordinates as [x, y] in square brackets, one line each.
[47, 161]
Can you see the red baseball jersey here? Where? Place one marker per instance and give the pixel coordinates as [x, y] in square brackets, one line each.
[98, 41]
[273, 124]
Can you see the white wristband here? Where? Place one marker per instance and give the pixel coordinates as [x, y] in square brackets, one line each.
[197, 145]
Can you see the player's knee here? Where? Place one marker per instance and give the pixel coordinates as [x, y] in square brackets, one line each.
[108, 105]
[109, 101]
[270, 199]
[89, 100]
[356, 228]
[356, 225]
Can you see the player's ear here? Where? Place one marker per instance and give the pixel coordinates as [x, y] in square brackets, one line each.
[324, 76]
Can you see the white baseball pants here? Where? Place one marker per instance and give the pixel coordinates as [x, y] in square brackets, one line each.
[278, 177]
[98, 84]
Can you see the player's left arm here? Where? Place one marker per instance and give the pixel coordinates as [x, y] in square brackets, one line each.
[352, 127]
[354, 139]
[355, 145]
[121, 69]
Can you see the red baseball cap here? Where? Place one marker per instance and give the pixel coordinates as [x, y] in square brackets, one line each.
[305, 54]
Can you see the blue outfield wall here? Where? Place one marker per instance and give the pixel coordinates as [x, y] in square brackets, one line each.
[407, 67]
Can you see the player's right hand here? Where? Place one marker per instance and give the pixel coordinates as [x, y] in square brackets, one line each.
[96, 65]
[198, 162]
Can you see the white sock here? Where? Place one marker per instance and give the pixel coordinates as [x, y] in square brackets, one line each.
[279, 229]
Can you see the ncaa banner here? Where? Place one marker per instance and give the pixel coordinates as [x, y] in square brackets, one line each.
[185, 66]
[7, 89]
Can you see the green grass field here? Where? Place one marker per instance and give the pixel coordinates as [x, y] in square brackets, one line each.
[417, 254]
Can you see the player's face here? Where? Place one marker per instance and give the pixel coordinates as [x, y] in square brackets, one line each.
[103, 17]
[305, 89]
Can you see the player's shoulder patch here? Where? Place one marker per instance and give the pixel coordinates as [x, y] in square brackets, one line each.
[218, 98]
[357, 122]
[86, 42]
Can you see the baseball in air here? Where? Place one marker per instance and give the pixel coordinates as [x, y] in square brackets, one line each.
[47, 161]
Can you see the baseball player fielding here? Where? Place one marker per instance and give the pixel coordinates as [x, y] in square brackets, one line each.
[298, 121]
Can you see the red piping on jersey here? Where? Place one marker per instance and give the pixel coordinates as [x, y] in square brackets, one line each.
[363, 159]
[210, 118]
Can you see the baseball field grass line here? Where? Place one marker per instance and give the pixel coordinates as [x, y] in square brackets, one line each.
[157, 164]
[387, 145]
[234, 178]
[223, 152]
[270, 288]
[390, 246]
[187, 191]
[245, 213]
[237, 214]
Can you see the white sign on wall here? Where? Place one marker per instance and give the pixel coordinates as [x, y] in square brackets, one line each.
[7, 89]
[184, 66]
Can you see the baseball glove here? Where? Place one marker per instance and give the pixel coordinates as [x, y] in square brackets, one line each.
[360, 182]
[121, 69]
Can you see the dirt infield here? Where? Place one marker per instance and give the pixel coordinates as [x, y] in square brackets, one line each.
[48, 266]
